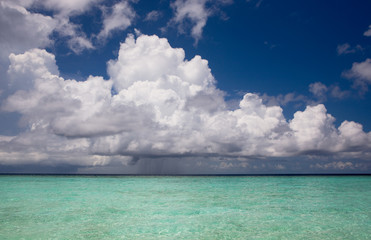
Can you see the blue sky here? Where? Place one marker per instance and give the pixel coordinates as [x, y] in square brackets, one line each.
[270, 48]
[278, 87]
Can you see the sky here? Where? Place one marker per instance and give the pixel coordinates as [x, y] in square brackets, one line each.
[185, 86]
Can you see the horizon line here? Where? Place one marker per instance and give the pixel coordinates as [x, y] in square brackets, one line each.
[185, 175]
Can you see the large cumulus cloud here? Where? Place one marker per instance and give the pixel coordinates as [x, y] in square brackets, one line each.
[157, 104]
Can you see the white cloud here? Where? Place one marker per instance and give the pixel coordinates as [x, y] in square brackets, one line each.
[22, 30]
[66, 7]
[165, 106]
[27, 68]
[79, 43]
[118, 17]
[361, 70]
[368, 32]
[195, 11]
[76, 39]
[68, 107]
[360, 73]
[314, 129]
[319, 90]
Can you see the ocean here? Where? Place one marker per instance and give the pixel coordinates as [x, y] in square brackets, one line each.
[185, 207]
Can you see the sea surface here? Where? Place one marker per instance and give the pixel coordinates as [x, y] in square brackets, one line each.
[244, 207]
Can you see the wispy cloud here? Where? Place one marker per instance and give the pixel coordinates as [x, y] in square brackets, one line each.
[153, 16]
[117, 17]
[321, 92]
[35, 29]
[285, 99]
[345, 48]
[197, 12]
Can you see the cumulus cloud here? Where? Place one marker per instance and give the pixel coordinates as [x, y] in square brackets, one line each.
[27, 24]
[20, 31]
[196, 12]
[163, 106]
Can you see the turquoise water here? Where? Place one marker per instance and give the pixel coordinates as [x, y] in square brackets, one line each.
[69, 207]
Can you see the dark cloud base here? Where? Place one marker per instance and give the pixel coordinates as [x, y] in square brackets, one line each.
[198, 166]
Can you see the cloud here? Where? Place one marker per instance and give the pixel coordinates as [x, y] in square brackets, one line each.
[361, 70]
[22, 30]
[314, 129]
[257, 3]
[153, 16]
[79, 43]
[368, 32]
[284, 99]
[163, 106]
[334, 165]
[319, 90]
[322, 92]
[67, 7]
[118, 17]
[336, 92]
[360, 73]
[343, 49]
[62, 11]
[71, 33]
[196, 12]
